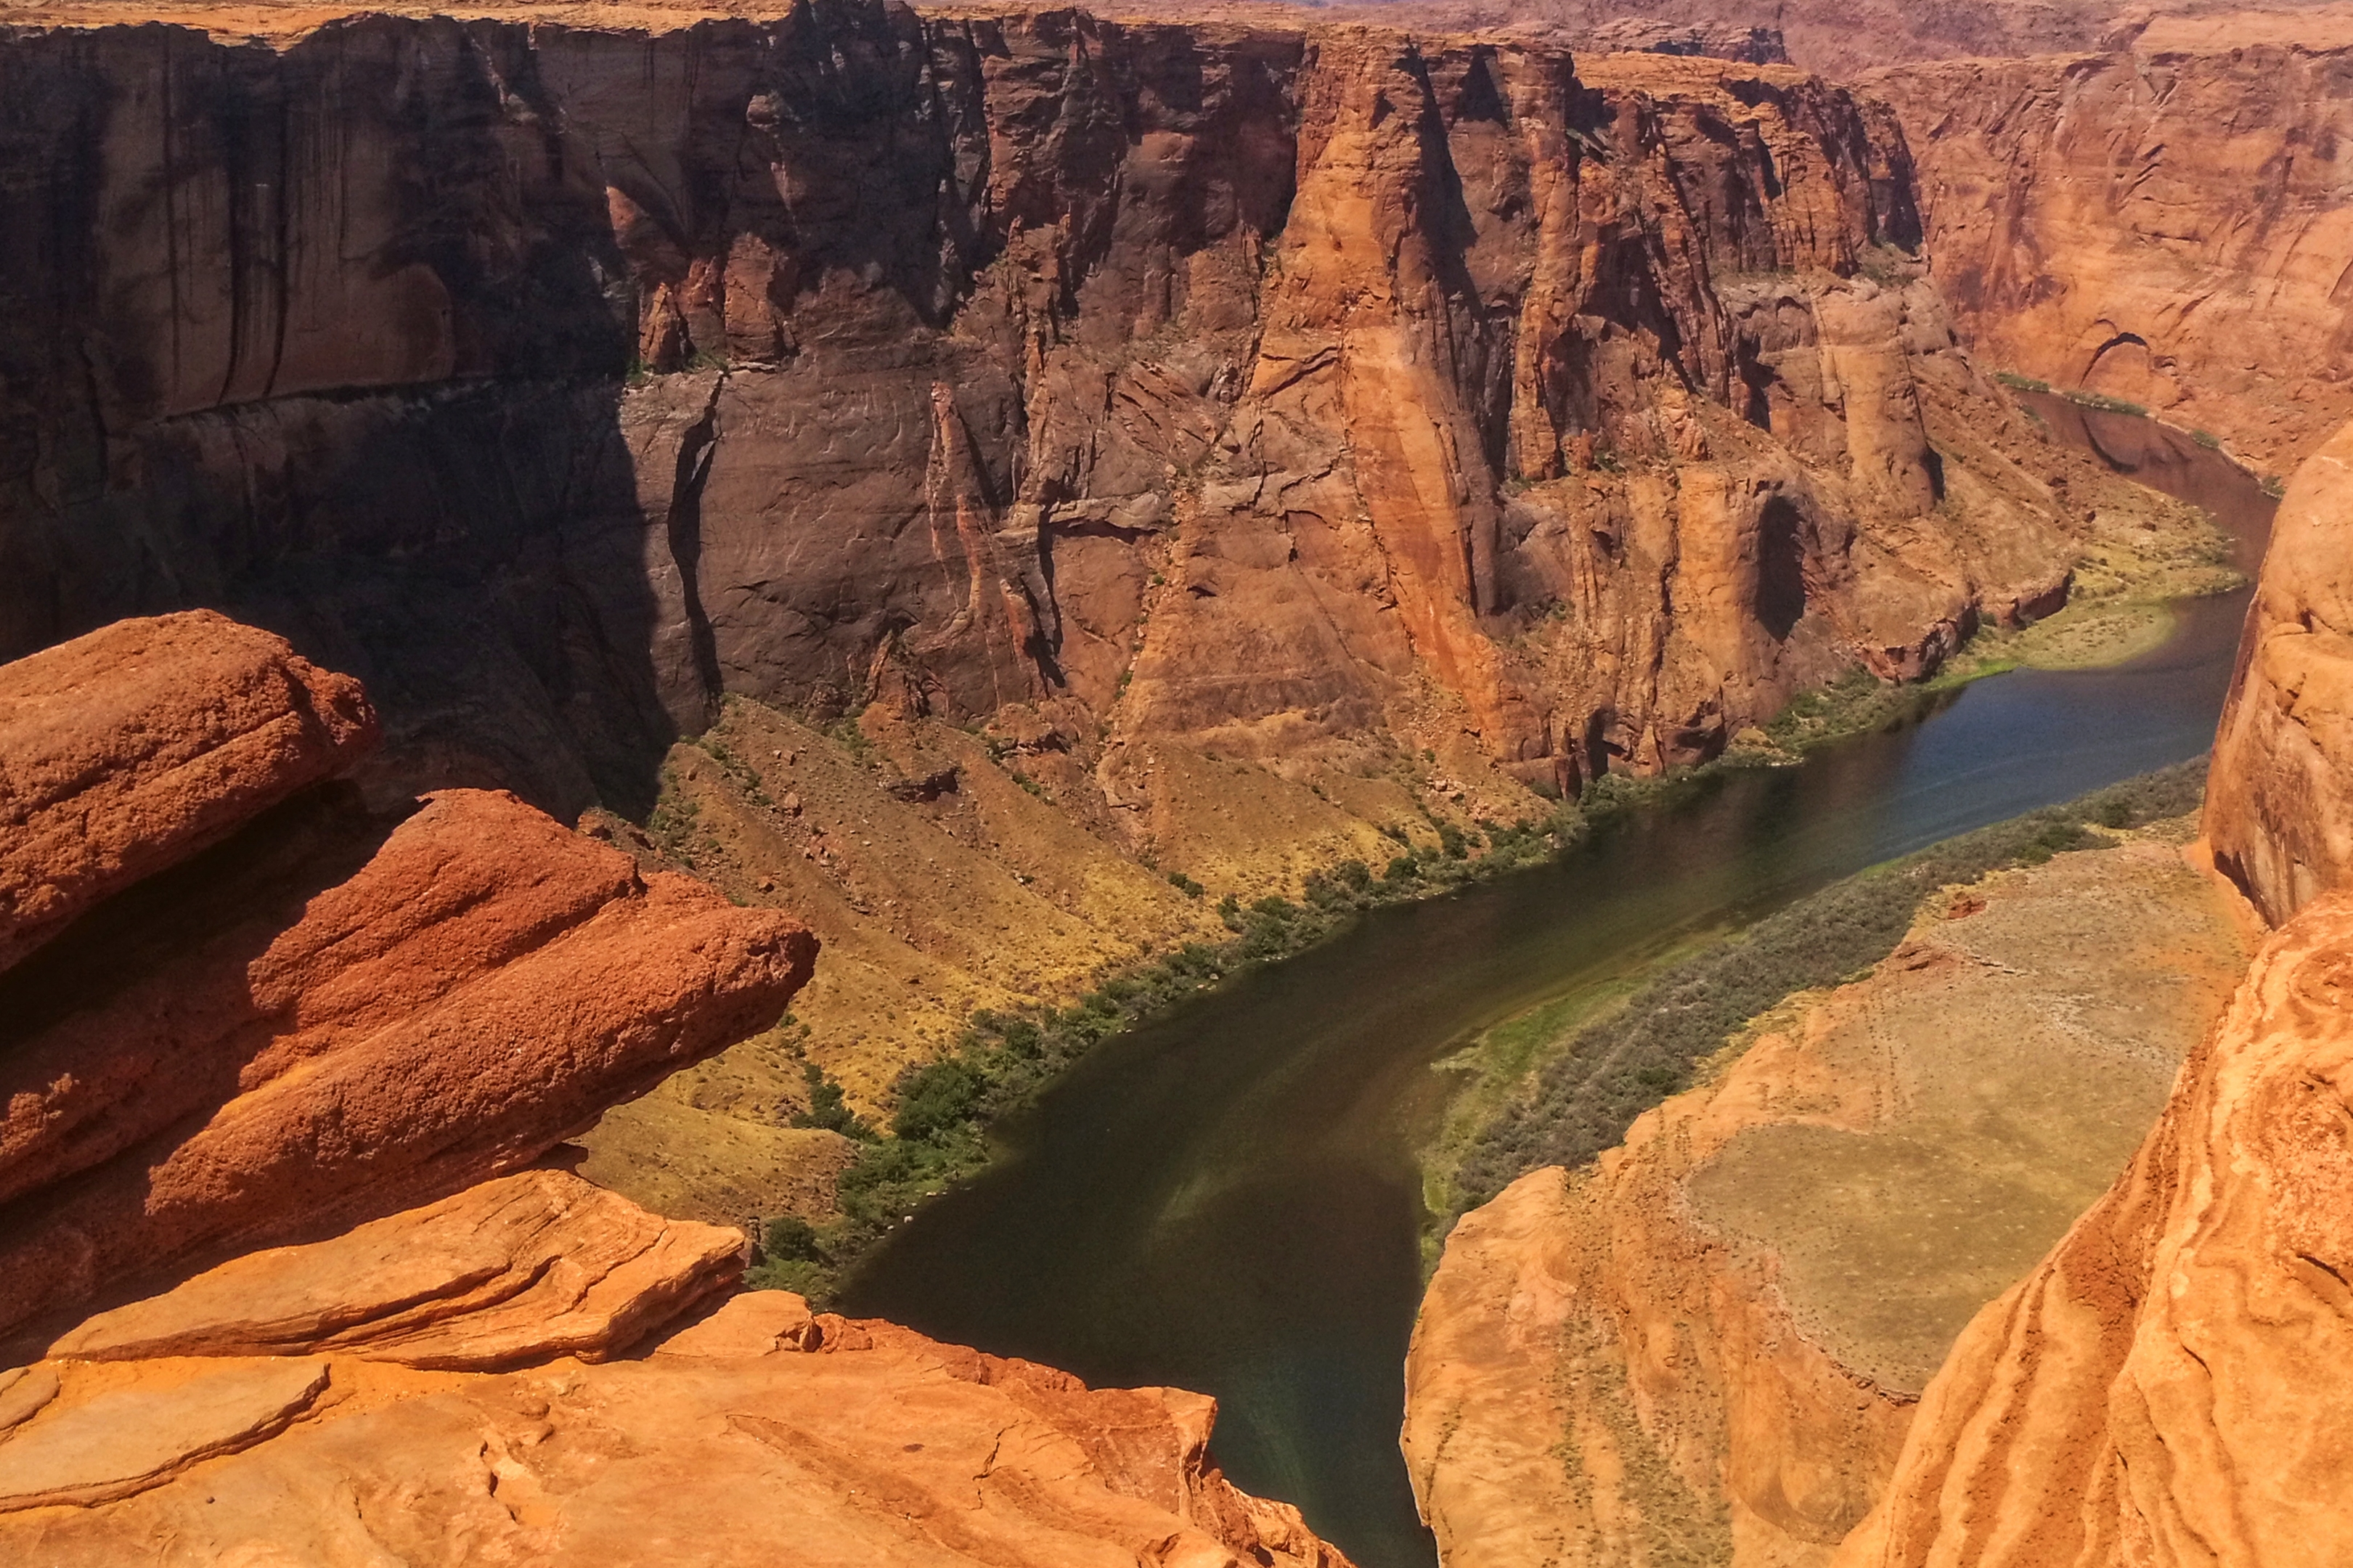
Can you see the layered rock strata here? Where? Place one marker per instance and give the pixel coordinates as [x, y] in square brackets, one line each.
[757, 1432]
[2163, 224]
[2168, 1386]
[125, 751]
[1186, 376]
[332, 1014]
[1709, 1347]
[2279, 811]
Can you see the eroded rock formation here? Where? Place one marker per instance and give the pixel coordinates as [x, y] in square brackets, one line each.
[125, 751]
[2168, 1386]
[2163, 224]
[1709, 1346]
[329, 1014]
[1186, 375]
[2279, 811]
[332, 1014]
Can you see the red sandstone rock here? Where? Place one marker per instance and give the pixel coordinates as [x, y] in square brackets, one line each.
[2091, 219]
[129, 750]
[1190, 375]
[2169, 1386]
[732, 1443]
[2279, 806]
[121, 1443]
[485, 985]
[523, 1268]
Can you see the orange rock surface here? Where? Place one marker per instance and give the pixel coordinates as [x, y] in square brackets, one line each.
[2169, 1387]
[1709, 1346]
[129, 750]
[525, 1267]
[2279, 810]
[761, 1433]
[2164, 224]
[330, 1016]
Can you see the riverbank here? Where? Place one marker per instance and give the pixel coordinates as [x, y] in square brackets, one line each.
[1558, 1084]
[1719, 1333]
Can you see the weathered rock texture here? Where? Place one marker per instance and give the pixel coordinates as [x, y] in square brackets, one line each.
[1709, 1347]
[2168, 1386]
[1182, 375]
[522, 1269]
[2165, 224]
[330, 1014]
[759, 1434]
[2279, 810]
[129, 750]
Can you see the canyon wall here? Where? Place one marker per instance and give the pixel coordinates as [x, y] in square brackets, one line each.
[1708, 1346]
[2167, 1387]
[2279, 811]
[2163, 224]
[1319, 395]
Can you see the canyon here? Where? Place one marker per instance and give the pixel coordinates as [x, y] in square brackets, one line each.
[279, 1106]
[951, 489]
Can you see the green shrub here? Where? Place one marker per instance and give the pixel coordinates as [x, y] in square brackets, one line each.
[1186, 885]
[791, 1238]
[933, 1100]
[828, 1109]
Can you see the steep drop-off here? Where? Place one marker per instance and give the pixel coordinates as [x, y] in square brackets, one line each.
[2280, 809]
[330, 1014]
[2166, 1387]
[2163, 225]
[1181, 381]
[1708, 1346]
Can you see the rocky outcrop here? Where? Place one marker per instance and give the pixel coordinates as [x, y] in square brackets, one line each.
[1758, 46]
[2169, 1385]
[2162, 225]
[522, 1269]
[332, 1014]
[125, 751]
[290, 1371]
[1184, 376]
[2279, 812]
[1709, 1346]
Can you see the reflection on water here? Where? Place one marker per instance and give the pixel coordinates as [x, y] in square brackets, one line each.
[1225, 1200]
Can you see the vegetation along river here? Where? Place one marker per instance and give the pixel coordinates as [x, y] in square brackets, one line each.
[1227, 1199]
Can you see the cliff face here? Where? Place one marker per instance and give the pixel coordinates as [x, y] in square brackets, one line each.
[2167, 1386]
[1708, 1346]
[2277, 811]
[1183, 381]
[2162, 224]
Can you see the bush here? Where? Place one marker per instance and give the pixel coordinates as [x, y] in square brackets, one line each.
[792, 1239]
[828, 1109]
[1186, 885]
[933, 1100]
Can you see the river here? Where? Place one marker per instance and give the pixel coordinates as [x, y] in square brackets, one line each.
[1227, 1199]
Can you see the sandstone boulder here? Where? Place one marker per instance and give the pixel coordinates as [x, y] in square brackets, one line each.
[760, 1434]
[129, 750]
